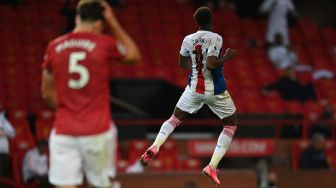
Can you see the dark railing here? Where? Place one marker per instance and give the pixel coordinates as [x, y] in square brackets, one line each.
[277, 123]
[10, 183]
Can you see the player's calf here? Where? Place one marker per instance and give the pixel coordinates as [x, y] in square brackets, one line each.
[166, 129]
[223, 143]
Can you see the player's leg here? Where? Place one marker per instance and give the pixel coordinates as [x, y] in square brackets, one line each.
[168, 126]
[224, 139]
[189, 103]
[223, 106]
[65, 162]
[113, 147]
[166, 129]
[96, 156]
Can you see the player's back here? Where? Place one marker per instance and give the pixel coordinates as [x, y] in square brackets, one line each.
[79, 64]
[199, 46]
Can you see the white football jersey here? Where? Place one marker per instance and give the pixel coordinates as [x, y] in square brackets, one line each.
[199, 46]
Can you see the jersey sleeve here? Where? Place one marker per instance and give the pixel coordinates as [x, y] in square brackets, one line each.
[116, 50]
[266, 6]
[185, 48]
[215, 46]
[47, 59]
[290, 6]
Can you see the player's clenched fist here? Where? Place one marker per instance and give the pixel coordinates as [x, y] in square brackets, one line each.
[230, 53]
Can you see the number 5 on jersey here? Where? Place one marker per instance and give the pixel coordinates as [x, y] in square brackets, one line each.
[75, 67]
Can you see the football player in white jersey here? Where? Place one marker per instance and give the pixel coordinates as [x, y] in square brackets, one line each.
[201, 52]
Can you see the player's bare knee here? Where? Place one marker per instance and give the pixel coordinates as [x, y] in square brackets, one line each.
[180, 115]
[230, 120]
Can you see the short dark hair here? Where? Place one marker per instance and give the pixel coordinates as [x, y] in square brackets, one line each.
[203, 16]
[42, 143]
[90, 10]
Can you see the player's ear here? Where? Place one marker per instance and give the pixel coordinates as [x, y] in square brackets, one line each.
[100, 25]
[78, 20]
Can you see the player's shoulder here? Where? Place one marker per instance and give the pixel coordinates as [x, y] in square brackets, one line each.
[215, 36]
[58, 39]
[107, 38]
[91, 36]
[208, 34]
[189, 37]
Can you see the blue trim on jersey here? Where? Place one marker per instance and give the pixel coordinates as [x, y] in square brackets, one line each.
[189, 79]
[218, 80]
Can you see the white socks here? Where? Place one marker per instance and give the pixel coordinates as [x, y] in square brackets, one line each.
[223, 142]
[222, 146]
[166, 129]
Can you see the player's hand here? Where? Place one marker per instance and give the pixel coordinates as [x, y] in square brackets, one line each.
[108, 13]
[230, 53]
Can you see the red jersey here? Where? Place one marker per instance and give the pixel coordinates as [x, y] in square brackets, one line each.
[79, 63]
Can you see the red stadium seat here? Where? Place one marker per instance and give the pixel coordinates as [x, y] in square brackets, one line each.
[16, 163]
[45, 114]
[156, 165]
[274, 106]
[136, 149]
[168, 155]
[254, 106]
[248, 84]
[295, 35]
[43, 128]
[22, 141]
[240, 105]
[122, 165]
[304, 77]
[17, 114]
[309, 31]
[313, 108]
[328, 35]
[190, 165]
[294, 107]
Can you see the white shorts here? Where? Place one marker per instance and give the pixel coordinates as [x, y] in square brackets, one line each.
[113, 146]
[71, 157]
[222, 105]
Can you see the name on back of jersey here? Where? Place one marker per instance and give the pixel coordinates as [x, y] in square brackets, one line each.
[76, 43]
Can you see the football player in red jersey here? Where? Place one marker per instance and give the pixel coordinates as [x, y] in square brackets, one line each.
[75, 82]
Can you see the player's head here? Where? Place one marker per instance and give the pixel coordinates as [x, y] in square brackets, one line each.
[290, 73]
[318, 141]
[203, 17]
[278, 38]
[42, 146]
[90, 12]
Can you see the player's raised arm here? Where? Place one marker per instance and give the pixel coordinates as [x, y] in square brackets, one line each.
[133, 54]
[213, 62]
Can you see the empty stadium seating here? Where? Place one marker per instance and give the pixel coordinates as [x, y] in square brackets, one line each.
[158, 27]
[300, 145]
[159, 34]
